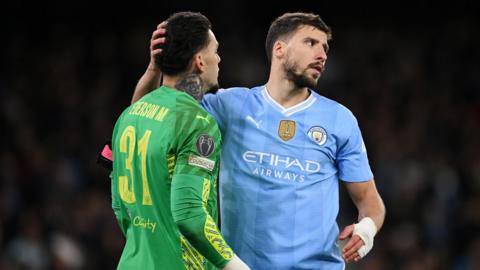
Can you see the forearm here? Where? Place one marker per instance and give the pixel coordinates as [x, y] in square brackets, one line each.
[149, 81]
[202, 232]
[371, 214]
[368, 201]
[371, 205]
[190, 214]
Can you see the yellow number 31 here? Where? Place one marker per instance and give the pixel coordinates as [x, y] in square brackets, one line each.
[125, 186]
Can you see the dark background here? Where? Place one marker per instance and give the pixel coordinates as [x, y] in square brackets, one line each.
[409, 71]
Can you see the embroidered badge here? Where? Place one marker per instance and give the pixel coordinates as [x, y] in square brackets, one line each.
[286, 129]
[318, 134]
[205, 145]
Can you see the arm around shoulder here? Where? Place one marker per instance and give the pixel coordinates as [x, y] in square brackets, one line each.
[149, 81]
[152, 77]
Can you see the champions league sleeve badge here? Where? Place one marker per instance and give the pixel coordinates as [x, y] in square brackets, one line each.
[205, 145]
[318, 135]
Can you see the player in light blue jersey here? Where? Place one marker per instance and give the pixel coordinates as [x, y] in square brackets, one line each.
[285, 151]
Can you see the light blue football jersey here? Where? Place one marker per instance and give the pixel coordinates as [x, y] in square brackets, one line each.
[279, 176]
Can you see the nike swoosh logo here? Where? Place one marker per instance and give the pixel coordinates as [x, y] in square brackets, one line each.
[257, 124]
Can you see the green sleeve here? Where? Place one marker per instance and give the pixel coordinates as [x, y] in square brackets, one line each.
[195, 223]
[120, 213]
[193, 180]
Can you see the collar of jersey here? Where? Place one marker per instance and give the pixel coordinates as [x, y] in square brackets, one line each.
[288, 111]
[178, 91]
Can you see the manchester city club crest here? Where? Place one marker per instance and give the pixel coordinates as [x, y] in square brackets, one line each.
[318, 135]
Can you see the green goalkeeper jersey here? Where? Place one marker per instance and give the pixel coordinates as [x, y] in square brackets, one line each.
[166, 151]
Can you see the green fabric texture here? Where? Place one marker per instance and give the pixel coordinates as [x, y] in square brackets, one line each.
[165, 163]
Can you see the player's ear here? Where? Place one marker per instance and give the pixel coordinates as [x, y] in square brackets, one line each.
[279, 48]
[199, 63]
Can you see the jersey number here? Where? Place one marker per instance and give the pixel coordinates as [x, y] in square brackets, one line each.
[126, 183]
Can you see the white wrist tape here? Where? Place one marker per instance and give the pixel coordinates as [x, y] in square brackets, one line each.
[236, 264]
[366, 230]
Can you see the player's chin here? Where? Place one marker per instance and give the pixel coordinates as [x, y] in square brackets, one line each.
[315, 76]
[312, 81]
[212, 88]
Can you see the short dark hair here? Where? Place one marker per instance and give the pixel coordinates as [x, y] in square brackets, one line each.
[288, 23]
[187, 34]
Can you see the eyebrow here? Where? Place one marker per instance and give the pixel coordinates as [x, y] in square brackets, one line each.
[311, 39]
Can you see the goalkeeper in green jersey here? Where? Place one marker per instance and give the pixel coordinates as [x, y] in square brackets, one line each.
[166, 152]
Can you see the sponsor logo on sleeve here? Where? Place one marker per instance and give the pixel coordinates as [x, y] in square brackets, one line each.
[201, 162]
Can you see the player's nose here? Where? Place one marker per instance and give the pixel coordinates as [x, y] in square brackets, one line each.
[321, 55]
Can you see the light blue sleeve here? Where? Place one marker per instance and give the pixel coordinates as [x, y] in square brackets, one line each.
[352, 160]
[214, 104]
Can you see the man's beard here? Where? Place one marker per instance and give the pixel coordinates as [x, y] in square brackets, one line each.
[299, 80]
[212, 88]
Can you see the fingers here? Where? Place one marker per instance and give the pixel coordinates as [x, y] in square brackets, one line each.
[154, 46]
[352, 246]
[347, 232]
[156, 52]
[349, 248]
[353, 258]
[162, 25]
[158, 41]
[158, 33]
[349, 252]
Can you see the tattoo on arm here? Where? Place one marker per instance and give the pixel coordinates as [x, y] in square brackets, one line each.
[192, 85]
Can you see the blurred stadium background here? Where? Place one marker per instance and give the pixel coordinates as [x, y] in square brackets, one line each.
[409, 71]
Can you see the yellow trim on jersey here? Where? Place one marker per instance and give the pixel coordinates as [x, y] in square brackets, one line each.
[192, 259]
[171, 164]
[216, 240]
[205, 193]
[211, 230]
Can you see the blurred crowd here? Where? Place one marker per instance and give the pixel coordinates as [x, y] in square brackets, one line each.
[415, 90]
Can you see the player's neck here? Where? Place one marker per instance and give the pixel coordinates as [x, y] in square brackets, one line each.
[169, 81]
[190, 83]
[285, 93]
